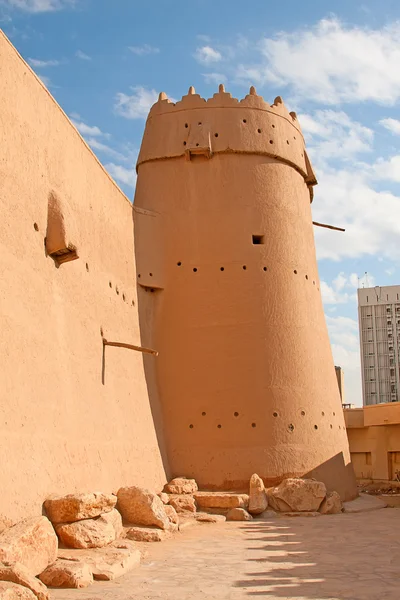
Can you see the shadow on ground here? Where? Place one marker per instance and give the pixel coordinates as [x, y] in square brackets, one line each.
[340, 557]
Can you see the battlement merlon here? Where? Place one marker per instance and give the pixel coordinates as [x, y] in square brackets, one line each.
[223, 124]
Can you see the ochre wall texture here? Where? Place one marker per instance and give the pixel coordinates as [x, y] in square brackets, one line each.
[61, 428]
[374, 439]
[245, 371]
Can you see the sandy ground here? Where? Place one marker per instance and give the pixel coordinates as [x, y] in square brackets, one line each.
[337, 557]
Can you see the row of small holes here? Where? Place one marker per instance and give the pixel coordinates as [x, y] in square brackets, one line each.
[117, 292]
[219, 426]
[290, 426]
[36, 228]
[179, 264]
[275, 414]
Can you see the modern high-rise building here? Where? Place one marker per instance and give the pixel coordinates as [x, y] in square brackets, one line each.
[379, 321]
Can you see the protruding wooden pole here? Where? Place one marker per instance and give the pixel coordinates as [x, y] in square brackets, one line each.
[130, 347]
[328, 226]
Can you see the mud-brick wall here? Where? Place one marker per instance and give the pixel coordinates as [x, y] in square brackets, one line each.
[71, 417]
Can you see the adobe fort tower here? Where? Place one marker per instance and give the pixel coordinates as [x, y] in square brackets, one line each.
[229, 295]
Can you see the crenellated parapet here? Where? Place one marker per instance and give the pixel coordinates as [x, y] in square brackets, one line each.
[222, 124]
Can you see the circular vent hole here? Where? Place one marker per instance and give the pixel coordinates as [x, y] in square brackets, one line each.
[36, 227]
[203, 414]
[179, 263]
[186, 125]
[254, 424]
[244, 267]
[315, 426]
[258, 130]
[235, 414]
[291, 427]
[222, 268]
[195, 270]
[275, 414]
[302, 413]
[216, 134]
[219, 426]
[190, 426]
[271, 141]
[264, 268]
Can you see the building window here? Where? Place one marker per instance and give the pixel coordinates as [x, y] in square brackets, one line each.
[258, 239]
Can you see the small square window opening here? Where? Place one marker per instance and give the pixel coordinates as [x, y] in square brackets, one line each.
[258, 239]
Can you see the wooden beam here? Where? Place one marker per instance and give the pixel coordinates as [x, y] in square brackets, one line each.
[328, 226]
[130, 347]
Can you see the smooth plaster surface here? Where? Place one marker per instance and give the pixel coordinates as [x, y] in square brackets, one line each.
[245, 371]
[61, 428]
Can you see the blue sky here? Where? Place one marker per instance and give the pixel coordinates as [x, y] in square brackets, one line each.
[335, 63]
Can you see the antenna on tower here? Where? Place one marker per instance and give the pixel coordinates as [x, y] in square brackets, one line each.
[366, 279]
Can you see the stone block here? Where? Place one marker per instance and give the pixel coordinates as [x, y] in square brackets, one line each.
[18, 573]
[332, 505]
[297, 495]
[13, 591]
[67, 574]
[171, 514]
[106, 563]
[91, 533]
[238, 514]
[181, 485]
[142, 507]
[75, 507]
[207, 518]
[32, 542]
[258, 502]
[183, 504]
[221, 500]
[147, 534]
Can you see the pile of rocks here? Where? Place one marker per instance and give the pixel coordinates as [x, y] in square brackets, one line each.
[92, 536]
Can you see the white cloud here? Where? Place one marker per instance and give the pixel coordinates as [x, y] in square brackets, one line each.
[333, 134]
[87, 129]
[43, 63]
[137, 105]
[96, 145]
[215, 78]
[144, 49]
[388, 170]
[343, 288]
[332, 62]
[122, 174]
[343, 333]
[392, 125]
[82, 55]
[207, 55]
[38, 6]
[345, 197]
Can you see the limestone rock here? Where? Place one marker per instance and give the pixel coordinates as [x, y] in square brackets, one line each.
[114, 518]
[90, 533]
[107, 563]
[238, 514]
[74, 507]
[5, 523]
[183, 504]
[67, 574]
[223, 500]
[207, 518]
[171, 514]
[297, 495]
[147, 534]
[13, 591]
[142, 507]
[163, 497]
[257, 497]
[32, 542]
[17, 573]
[181, 485]
[332, 505]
